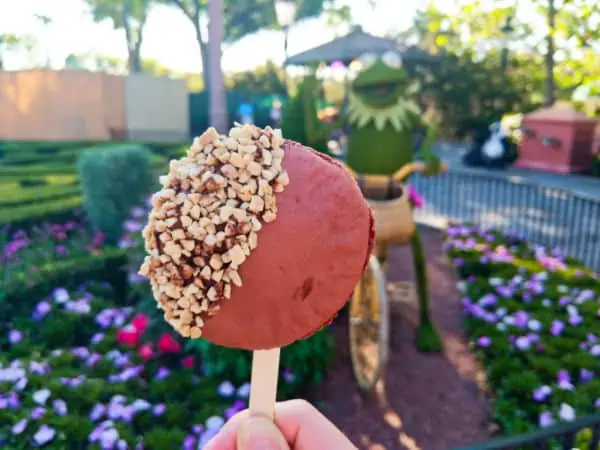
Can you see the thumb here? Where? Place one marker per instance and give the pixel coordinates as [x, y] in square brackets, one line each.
[260, 433]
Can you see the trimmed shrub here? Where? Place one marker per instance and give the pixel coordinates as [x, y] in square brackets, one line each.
[31, 182]
[113, 180]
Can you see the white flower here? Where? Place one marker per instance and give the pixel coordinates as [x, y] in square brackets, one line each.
[214, 423]
[461, 286]
[509, 320]
[60, 295]
[244, 390]
[566, 412]
[562, 289]
[226, 389]
[41, 396]
[547, 302]
[523, 343]
[495, 281]
[535, 325]
[501, 326]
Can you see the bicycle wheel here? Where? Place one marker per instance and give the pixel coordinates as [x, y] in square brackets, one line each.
[369, 326]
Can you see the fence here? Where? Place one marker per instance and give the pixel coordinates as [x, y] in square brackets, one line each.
[561, 436]
[547, 216]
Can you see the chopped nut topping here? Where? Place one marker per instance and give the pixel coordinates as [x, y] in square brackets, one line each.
[206, 219]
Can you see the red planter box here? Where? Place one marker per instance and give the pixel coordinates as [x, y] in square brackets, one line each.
[557, 139]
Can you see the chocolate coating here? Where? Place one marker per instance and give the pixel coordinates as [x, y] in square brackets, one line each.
[307, 261]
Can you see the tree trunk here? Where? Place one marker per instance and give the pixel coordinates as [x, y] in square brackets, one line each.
[549, 57]
[202, 45]
[218, 105]
[134, 60]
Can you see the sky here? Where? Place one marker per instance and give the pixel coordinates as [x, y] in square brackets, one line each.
[169, 36]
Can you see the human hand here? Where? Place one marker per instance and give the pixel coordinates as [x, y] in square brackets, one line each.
[298, 426]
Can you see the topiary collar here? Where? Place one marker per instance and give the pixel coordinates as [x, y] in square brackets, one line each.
[400, 115]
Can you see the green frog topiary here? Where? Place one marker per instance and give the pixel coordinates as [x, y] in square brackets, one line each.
[383, 122]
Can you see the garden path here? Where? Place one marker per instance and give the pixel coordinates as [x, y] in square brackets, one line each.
[431, 402]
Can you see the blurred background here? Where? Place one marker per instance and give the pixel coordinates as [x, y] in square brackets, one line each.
[97, 96]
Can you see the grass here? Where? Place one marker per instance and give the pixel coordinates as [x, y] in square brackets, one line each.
[533, 316]
[39, 179]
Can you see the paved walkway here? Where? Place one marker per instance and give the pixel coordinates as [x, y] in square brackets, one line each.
[430, 401]
[579, 184]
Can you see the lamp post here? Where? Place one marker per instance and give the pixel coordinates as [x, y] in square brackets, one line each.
[285, 10]
[507, 29]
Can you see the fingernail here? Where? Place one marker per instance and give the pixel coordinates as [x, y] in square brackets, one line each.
[260, 433]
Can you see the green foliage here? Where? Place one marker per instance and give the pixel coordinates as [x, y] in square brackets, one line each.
[300, 121]
[267, 79]
[113, 181]
[43, 210]
[532, 315]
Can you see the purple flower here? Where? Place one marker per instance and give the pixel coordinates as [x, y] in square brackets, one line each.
[138, 212]
[557, 328]
[97, 338]
[161, 373]
[41, 310]
[19, 427]
[141, 405]
[206, 437]
[72, 382]
[484, 341]
[60, 407]
[135, 278]
[133, 226]
[564, 380]
[39, 368]
[288, 375]
[81, 352]
[505, 291]
[586, 375]
[97, 412]
[189, 443]
[159, 410]
[237, 406]
[566, 412]
[80, 306]
[597, 403]
[15, 336]
[61, 250]
[542, 393]
[93, 359]
[214, 423]
[595, 350]
[546, 419]
[37, 413]
[521, 319]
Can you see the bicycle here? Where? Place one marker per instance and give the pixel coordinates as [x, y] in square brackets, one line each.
[369, 319]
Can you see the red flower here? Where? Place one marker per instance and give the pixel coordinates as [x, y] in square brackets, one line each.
[168, 344]
[128, 335]
[188, 362]
[146, 351]
[140, 323]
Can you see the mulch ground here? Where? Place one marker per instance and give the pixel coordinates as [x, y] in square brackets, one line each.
[429, 402]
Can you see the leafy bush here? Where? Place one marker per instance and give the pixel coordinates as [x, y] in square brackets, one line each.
[36, 194]
[300, 121]
[113, 181]
[533, 316]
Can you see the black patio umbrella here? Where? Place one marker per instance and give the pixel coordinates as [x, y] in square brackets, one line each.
[352, 46]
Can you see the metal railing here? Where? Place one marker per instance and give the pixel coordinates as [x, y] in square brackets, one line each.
[547, 216]
[561, 436]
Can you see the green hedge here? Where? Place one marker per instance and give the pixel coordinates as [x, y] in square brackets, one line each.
[25, 289]
[27, 195]
[29, 213]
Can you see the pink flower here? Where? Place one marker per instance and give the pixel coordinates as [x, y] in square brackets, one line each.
[167, 344]
[128, 335]
[146, 351]
[140, 323]
[414, 197]
[188, 362]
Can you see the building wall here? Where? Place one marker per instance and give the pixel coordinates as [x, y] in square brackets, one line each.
[78, 105]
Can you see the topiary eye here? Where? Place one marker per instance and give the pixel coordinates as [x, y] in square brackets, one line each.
[367, 60]
[392, 59]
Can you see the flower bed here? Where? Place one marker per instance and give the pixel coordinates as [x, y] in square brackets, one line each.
[534, 320]
[78, 371]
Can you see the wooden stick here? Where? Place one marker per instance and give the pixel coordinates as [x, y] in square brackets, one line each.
[263, 384]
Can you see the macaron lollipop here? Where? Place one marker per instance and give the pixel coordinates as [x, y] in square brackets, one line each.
[255, 242]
